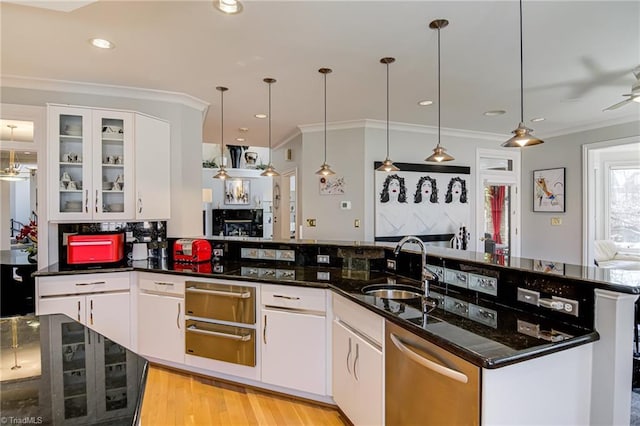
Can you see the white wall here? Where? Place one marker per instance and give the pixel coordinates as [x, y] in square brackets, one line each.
[352, 149]
[561, 243]
[186, 140]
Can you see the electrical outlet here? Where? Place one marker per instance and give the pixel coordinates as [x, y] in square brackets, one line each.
[556, 221]
[311, 223]
[570, 306]
[391, 264]
[322, 258]
[218, 252]
[323, 275]
[356, 223]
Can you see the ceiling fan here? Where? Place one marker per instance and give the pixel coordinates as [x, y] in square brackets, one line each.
[633, 96]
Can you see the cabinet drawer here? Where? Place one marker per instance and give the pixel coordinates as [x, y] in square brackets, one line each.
[312, 299]
[82, 283]
[457, 278]
[161, 284]
[358, 318]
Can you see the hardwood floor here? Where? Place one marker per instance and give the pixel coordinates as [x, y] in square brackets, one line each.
[175, 398]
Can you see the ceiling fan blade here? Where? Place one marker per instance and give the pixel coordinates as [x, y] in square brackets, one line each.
[618, 105]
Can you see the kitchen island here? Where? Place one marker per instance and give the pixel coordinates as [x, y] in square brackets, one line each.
[487, 325]
[57, 371]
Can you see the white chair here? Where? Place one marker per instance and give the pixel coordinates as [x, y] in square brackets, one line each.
[607, 255]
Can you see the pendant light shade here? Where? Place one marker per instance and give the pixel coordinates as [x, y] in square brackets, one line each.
[270, 170]
[523, 136]
[325, 169]
[222, 172]
[387, 164]
[439, 153]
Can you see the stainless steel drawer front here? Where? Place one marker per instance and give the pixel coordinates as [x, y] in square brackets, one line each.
[221, 302]
[222, 342]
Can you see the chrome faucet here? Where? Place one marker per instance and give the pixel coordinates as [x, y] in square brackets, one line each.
[426, 274]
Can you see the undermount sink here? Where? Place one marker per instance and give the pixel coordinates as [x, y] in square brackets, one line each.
[392, 291]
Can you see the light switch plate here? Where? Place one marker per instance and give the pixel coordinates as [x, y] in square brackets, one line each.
[322, 258]
[556, 221]
[391, 264]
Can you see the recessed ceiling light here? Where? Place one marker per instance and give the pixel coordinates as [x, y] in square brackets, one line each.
[495, 112]
[101, 43]
[425, 102]
[535, 120]
[240, 139]
[229, 7]
[260, 116]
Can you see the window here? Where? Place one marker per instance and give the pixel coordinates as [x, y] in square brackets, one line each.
[624, 206]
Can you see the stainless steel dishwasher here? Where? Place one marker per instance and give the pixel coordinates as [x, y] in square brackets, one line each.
[426, 385]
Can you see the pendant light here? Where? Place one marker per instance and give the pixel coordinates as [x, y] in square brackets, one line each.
[439, 153]
[12, 173]
[325, 169]
[523, 136]
[222, 172]
[387, 164]
[270, 170]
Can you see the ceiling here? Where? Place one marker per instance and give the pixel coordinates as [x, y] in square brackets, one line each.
[578, 59]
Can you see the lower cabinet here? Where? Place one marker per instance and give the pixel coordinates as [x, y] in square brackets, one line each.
[93, 379]
[99, 301]
[293, 339]
[161, 321]
[357, 363]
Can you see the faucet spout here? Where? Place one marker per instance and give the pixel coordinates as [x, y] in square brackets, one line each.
[426, 275]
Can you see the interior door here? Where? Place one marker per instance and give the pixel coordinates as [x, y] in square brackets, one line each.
[495, 236]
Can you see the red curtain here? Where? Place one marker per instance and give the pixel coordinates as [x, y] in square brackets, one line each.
[497, 206]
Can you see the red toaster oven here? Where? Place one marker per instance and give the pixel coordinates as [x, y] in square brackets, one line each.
[95, 248]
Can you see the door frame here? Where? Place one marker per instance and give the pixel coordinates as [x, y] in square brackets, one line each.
[510, 178]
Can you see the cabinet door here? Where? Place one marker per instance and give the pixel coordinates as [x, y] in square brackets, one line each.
[343, 349]
[113, 162]
[357, 377]
[368, 373]
[153, 167]
[116, 384]
[71, 306]
[70, 159]
[72, 368]
[161, 327]
[294, 350]
[108, 314]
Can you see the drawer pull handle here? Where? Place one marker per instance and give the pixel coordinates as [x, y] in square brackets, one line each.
[349, 356]
[161, 283]
[78, 311]
[93, 283]
[264, 330]
[244, 295]
[244, 337]
[286, 297]
[178, 317]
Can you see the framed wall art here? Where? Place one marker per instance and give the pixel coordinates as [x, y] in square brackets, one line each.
[548, 190]
[237, 191]
[331, 185]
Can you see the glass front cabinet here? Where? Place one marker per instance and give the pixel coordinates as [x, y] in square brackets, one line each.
[91, 164]
[93, 379]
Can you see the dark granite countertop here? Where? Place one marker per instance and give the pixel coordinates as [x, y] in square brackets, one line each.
[57, 371]
[484, 332]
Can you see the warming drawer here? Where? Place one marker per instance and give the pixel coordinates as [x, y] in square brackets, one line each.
[222, 342]
[221, 302]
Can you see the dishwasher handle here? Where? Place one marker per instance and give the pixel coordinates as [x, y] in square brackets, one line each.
[440, 369]
[243, 295]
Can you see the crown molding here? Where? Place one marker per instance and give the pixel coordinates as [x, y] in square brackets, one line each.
[103, 90]
[591, 126]
[400, 127]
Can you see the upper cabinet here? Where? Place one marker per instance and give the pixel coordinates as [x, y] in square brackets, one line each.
[94, 160]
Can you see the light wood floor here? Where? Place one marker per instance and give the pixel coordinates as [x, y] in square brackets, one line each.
[175, 398]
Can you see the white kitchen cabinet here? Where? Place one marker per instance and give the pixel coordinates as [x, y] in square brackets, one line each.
[161, 317]
[357, 363]
[152, 168]
[294, 343]
[99, 301]
[107, 165]
[91, 164]
[93, 379]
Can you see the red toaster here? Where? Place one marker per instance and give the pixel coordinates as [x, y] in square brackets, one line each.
[191, 251]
